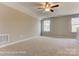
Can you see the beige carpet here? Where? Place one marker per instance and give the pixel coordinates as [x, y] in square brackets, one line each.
[43, 46]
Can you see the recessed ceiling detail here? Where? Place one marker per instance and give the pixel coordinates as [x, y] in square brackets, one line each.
[65, 8]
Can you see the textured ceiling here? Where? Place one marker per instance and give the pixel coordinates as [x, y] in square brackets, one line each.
[65, 8]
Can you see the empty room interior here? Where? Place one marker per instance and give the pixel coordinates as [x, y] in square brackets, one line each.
[39, 28]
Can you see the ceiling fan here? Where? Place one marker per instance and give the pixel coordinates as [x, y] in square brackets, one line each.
[48, 6]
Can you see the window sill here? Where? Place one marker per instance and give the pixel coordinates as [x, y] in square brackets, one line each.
[73, 32]
[46, 31]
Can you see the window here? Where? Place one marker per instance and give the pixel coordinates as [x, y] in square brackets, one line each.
[75, 24]
[46, 25]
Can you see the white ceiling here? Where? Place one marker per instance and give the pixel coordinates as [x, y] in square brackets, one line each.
[65, 8]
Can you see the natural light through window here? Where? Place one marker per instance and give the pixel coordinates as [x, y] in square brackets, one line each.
[75, 24]
[46, 24]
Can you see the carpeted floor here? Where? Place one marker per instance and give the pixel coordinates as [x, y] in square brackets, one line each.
[43, 46]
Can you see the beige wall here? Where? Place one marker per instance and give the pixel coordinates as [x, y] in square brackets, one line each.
[60, 27]
[18, 25]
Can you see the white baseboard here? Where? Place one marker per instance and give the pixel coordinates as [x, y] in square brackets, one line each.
[11, 43]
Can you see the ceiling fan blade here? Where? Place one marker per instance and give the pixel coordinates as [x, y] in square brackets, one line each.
[40, 8]
[37, 4]
[51, 10]
[54, 6]
[46, 3]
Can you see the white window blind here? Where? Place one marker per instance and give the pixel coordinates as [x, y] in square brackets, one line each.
[46, 25]
[75, 24]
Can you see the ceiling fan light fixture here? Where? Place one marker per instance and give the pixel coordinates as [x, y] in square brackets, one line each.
[47, 9]
[49, 6]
